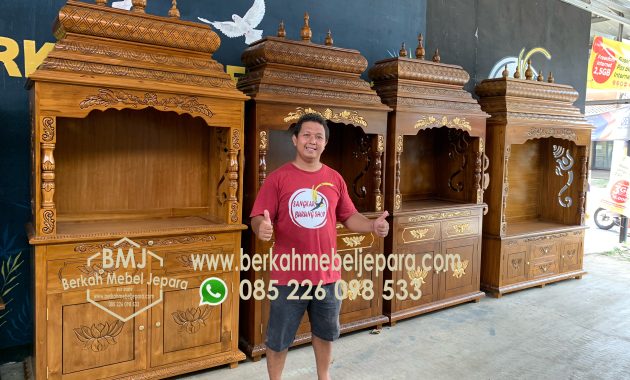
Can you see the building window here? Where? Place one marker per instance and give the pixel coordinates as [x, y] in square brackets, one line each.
[602, 155]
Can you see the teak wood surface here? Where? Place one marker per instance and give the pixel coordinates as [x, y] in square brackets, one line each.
[137, 133]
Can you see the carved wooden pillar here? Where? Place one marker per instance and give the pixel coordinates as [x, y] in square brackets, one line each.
[506, 187]
[262, 157]
[233, 151]
[378, 172]
[478, 177]
[47, 211]
[583, 152]
[397, 196]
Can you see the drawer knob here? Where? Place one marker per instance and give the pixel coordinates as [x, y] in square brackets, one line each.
[141, 328]
[158, 324]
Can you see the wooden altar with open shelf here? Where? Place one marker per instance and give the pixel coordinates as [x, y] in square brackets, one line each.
[285, 80]
[538, 144]
[136, 143]
[435, 179]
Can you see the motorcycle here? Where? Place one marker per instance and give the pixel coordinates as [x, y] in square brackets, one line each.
[605, 219]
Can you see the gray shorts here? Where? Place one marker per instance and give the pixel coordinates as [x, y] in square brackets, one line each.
[285, 316]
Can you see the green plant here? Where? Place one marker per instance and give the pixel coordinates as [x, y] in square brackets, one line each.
[9, 279]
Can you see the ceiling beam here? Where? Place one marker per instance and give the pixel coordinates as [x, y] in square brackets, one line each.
[599, 11]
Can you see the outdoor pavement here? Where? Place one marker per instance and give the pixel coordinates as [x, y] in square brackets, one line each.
[574, 329]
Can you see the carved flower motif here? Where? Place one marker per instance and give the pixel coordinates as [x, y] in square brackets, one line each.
[459, 269]
[192, 319]
[417, 277]
[99, 336]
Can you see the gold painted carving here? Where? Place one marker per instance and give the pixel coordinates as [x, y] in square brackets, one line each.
[379, 203]
[460, 269]
[353, 241]
[110, 98]
[345, 115]
[397, 202]
[99, 336]
[380, 147]
[399, 144]
[419, 233]
[192, 319]
[439, 215]
[417, 277]
[427, 122]
[461, 227]
[263, 140]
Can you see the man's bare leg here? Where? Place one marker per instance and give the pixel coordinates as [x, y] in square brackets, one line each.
[275, 363]
[323, 357]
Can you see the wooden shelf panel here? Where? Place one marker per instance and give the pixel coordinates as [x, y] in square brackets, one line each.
[428, 204]
[115, 229]
[533, 226]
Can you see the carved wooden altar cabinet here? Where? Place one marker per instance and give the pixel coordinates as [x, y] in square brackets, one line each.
[538, 145]
[137, 137]
[434, 183]
[287, 79]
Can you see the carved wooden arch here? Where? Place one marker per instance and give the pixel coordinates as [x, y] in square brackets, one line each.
[348, 118]
[107, 98]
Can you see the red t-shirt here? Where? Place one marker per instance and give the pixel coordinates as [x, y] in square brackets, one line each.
[304, 208]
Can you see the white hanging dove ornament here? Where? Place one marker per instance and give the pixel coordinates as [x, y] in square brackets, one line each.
[242, 25]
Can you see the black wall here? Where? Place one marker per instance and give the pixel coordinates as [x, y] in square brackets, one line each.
[503, 28]
[374, 27]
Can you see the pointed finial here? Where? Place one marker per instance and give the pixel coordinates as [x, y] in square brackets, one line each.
[306, 32]
[550, 78]
[529, 73]
[281, 32]
[436, 56]
[540, 77]
[329, 39]
[101, 2]
[517, 73]
[173, 12]
[403, 51]
[420, 48]
[505, 73]
[138, 5]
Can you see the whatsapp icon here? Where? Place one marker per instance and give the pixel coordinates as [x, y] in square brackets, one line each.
[213, 291]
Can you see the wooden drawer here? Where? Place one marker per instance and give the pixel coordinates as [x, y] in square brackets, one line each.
[180, 261]
[543, 267]
[543, 248]
[460, 227]
[349, 241]
[81, 274]
[407, 234]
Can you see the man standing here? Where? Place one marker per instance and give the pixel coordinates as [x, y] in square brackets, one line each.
[304, 199]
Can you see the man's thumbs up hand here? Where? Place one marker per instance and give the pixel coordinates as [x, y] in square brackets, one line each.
[265, 229]
[380, 225]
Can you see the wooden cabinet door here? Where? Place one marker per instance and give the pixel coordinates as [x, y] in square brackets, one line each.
[86, 342]
[356, 307]
[515, 263]
[181, 329]
[426, 278]
[571, 255]
[461, 257]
